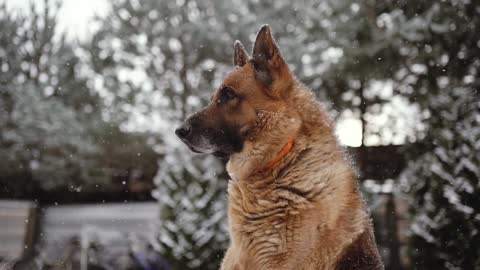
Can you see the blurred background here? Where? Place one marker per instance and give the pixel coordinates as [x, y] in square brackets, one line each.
[92, 176]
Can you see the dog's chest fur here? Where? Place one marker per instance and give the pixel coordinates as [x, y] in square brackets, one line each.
[294, 218]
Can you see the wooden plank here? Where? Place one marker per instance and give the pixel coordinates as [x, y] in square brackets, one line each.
[17, 223]
[66, 221]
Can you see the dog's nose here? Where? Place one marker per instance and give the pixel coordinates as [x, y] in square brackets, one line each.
[184, 131]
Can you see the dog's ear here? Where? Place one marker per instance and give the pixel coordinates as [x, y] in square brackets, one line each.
[240, 55]
[267, 60]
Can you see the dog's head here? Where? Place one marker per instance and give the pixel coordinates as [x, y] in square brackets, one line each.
[257, 83]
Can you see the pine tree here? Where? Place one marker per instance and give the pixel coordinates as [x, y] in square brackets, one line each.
[444, 63]
[444, 183]
[43, 140]
[52, 132]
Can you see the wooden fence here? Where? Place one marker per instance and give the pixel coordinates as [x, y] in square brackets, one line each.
[17, 223]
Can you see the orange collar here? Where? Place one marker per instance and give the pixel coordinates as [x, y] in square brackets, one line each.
[286, 148]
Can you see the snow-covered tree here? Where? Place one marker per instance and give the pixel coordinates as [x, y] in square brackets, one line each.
[52, 132]
[444, 184]
[443, 63]
[43, 138]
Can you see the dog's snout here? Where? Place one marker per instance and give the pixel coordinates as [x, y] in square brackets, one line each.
[184, 131]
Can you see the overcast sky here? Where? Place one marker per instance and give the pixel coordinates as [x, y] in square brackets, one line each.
[74, 17]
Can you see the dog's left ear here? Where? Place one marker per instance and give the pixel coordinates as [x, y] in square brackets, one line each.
[240, 55]
[267, 59]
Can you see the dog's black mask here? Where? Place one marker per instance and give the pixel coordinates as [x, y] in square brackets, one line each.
[203, 135]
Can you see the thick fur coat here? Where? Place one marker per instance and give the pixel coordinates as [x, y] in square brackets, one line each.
[306, 211]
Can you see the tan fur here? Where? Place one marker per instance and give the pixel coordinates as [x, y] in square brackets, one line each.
[306, 212]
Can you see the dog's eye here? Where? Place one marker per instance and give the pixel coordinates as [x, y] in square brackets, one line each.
[226, 94]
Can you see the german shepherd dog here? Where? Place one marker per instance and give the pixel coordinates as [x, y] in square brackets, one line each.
[293, 198]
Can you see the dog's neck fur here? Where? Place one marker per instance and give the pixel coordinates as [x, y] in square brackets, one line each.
[273, 129]
[284, 191]
[271, 132]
